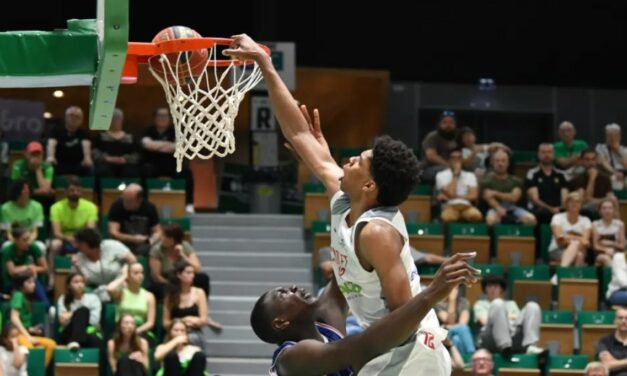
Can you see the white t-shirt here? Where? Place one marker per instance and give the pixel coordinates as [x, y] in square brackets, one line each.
[615, 159]
[560, 219]
[108, 267]
[6, 362]
[608, 232]
[466, 180]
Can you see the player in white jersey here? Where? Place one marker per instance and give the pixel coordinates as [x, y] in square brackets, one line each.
[310, 332]
[372, 260]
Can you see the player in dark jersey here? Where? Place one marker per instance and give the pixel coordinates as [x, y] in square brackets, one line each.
[310, 331]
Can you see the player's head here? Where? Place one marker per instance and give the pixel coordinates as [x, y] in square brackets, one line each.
[385, 174]
[279, 314]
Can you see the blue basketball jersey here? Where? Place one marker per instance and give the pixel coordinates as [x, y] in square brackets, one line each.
[328, 332]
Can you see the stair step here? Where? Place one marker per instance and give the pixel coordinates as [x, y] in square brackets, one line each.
[240, 348]
[242, 274]
[233, 332]
[248, 245]
[238, 366]
[255, 259]
[252, 288]
[231, 303]
[247, 220]
[232, 318]
[248, 232]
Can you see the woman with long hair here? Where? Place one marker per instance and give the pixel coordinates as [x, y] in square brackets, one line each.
[127, 351]
[30, 333]
[129, 295]
[165, 254]
[12, 355]
[79, 314]
[178, 356]
[188, 303]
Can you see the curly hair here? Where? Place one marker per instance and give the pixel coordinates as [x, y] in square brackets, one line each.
[395, 169]
[261, 321]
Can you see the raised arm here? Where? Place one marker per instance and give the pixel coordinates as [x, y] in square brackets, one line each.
[311, 357]
[293, 124]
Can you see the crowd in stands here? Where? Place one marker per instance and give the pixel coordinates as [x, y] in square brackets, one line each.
[131, 262]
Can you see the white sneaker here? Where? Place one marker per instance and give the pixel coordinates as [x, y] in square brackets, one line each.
[531, 349]
[189, 209]
[554, 280]
[52, 314]
[73, 346]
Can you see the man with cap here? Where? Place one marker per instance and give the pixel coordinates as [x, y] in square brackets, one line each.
[34, 170]
[504, 327]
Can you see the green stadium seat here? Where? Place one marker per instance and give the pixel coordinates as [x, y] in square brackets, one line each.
[578, 288]
[464, 237]
[36, 362]
[592, 326]
[530, 283]
[560, 364]
[557, 331]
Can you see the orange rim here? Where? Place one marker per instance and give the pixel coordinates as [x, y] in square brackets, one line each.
[140, 52]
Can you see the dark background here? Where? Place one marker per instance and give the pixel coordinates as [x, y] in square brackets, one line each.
[515, 42]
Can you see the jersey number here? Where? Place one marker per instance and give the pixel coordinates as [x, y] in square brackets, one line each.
[429, 340]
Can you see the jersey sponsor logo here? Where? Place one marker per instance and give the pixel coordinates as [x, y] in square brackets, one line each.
[349, 288]
[340, 260]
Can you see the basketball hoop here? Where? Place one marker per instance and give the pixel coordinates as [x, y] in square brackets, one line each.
[204, 99]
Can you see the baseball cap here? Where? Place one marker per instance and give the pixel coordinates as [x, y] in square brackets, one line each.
[34, 147]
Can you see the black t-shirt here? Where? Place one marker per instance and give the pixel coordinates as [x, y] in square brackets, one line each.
[616, 349]
[549, 187]
[69, 145]
[442, 146]
[122, 147]
[165, 161]
[138, 222]
[602, 184]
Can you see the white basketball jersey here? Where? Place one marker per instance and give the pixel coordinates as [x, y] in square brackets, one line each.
[362, 289]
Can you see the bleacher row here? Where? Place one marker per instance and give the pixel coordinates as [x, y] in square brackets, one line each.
[575, 315]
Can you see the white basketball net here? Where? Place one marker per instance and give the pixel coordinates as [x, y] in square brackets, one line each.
[203, 111]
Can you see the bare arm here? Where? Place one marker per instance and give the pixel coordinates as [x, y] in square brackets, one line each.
[464, 317]
[57, 233]
[155, 270]
[158, 146]
[111, 356]
[433, 157]
[162, 350]
[115, 233]
[534, 197]
[293, 124]
[152, 314]
[167, 320]
[380, 245]
[18, 356]
[51, 149]
[310, 357]
[15, 320]
[114, 288]
[513, 196]
[192, 259]
[155, 234]
[612, 363]
[44, 185]
[86, 145]
[41, 265]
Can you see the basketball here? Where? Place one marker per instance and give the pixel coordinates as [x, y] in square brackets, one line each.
[185, 64]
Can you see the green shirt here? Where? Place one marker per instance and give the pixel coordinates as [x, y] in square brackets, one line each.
[29, 216]
[72, 219]
[563, 151]
[20, 170]
[482, 306]
[23, 306]
[491, 181]
[133, 304]
[28, 257]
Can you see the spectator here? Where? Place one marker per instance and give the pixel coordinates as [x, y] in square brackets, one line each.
[596, 369]
[127, 351]
[608, 234]
[593, 183]
[457, 190]
[546, 186]
[31, 333]
[454, 315]
[482, 363]
[129, 295]
[178, 354]
[79, 315]
[67, 216]
[115, 151]
[504, 328]
[69, 148]
[437, 146]
[188, 303]
[134, 221]
[34, 170]
[158, 144]
[613, 155]
[23, 211]
[617, 289]
[571, 234]
[23, 256]
[474, 155]
[170, 250]
[502, 192]
[13, 356]
[99, 261]
[611, 349]
[568, 150]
